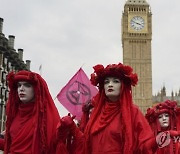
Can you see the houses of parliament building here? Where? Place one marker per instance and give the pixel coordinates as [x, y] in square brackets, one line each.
[136, 25]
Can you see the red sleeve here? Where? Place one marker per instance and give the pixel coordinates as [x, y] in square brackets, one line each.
[77, 146]
[58, 143]
[61, 148]
[69, 138]
[84, 121]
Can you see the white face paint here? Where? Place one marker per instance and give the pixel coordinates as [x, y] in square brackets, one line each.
[164, 120]
[25, 91]
[112, 88]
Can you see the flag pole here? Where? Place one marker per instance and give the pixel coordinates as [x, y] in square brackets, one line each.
[40, 69]
[82, 65]
[54, 98]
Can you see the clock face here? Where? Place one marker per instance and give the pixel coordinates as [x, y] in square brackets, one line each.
[137, 23]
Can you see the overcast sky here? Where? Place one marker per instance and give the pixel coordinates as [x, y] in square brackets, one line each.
[63, 35]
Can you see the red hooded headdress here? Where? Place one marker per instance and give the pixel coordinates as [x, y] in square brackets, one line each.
[128, 79]
[44, 118]
[152, 115]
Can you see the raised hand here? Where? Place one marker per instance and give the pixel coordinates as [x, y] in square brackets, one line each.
[67, 121]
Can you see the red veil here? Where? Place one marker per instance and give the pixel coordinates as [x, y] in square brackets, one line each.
[42, 124]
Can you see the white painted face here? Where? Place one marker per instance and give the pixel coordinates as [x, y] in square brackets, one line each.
[112, 88]
[25, 91]
[164, 120]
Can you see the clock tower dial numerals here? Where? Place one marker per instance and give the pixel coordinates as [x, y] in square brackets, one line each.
[137, 23]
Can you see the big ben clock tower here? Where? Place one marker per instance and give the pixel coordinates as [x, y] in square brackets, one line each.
[136, 43]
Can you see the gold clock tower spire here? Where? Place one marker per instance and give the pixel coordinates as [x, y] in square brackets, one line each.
[136, 43]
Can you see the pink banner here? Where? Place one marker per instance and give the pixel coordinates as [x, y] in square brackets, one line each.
[76, 92]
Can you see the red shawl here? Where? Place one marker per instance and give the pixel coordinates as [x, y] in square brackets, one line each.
[38, 125]
[109, 111]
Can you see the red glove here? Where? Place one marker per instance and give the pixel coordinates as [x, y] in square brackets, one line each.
[67, 121]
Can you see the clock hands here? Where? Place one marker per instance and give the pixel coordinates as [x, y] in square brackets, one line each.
[137, 22]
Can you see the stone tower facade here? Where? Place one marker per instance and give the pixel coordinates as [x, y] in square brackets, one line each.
[136, 43]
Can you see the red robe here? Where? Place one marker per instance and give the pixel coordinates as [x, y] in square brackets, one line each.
[109, 140]
[22, 131]
[30, 128]
[172, 148]
[107, 135]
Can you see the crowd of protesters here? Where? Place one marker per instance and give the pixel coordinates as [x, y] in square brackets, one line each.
[111, 123]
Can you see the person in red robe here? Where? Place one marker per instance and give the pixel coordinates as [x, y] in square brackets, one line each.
[164, 121]
[32, 116]
[116, 125]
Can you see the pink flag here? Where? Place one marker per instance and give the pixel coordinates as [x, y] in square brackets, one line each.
[76, 92]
